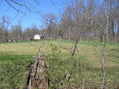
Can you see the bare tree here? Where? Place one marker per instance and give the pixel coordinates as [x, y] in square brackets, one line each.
[16, 32]
[4, 25]
[78, 19]
[50, 23]
[105, 39]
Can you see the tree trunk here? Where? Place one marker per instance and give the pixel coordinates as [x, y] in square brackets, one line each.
[37, 78]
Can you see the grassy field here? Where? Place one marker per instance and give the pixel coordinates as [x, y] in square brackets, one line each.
[85, 65]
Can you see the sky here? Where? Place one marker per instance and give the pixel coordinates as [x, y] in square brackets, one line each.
[34, 16]
[37, 10]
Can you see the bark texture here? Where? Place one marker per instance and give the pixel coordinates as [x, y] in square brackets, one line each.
[37, 78]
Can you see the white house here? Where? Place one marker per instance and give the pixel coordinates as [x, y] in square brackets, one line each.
[37, 37]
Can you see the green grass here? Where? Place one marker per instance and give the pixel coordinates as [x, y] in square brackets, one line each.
[13, 69]
[15, 58]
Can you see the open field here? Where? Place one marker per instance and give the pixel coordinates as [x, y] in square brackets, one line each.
[85, 65]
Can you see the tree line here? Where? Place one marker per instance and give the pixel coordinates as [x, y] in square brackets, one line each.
[86, 20]
[16, 32]
[82, 19]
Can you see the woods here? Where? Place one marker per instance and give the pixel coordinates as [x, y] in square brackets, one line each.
[81, 19]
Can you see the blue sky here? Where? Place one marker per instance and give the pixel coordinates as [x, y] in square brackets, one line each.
[33, 17]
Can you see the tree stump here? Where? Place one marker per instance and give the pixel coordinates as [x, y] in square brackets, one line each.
[37, 78]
